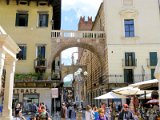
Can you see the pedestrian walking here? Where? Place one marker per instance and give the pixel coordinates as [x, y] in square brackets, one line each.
[107, 110]
[95, 110]
[101, 115]
[39, 107]
[89, 115]
[19, 116]
[17, 109]
[43, 115]
[34, 108]
[126, 114]
[63, 112]
[72, 112]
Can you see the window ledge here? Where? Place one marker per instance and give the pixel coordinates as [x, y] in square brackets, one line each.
[130, 38]
[42, 27]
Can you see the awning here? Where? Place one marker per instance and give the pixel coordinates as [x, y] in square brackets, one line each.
[129, 91]
[144, 84]
[110, 95]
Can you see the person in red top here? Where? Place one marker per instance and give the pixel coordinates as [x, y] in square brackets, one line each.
[39, 108]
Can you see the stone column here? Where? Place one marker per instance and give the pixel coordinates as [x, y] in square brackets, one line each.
[2, 57]
[8, 92]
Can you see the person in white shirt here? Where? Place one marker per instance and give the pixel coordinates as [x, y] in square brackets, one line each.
[89, 113]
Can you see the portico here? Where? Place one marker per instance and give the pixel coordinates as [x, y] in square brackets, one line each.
[8, 51]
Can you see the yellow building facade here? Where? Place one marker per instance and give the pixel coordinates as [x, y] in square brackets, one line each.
[30, 23]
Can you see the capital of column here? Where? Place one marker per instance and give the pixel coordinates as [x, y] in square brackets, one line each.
[10, 64]
[2, 55]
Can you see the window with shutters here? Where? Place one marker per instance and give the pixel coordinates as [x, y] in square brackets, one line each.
[22, 54]
[130, 59]
[128, 76]
[129, 27]
[153, 58]
[41, 55]
[41, 51]
[22, 19]
[43, 20]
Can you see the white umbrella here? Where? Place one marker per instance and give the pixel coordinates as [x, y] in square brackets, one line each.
[144, 84]
[110, 95]
[148, 95]
[129, 91]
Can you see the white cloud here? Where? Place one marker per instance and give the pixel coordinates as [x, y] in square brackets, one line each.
[82, 7]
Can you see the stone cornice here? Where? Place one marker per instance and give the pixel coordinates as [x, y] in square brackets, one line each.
[128, 12]
[7, 43]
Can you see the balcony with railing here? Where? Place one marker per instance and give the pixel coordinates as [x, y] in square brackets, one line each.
[118, 80]
[129, 63]
[40, 64]
[151, 63]
[77, 34]
[34, 80]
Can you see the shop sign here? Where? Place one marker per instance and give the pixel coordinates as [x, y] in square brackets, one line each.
[54, 92]
[29, 91]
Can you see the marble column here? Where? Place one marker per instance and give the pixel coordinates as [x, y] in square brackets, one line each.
[8, 92]
[2, 58]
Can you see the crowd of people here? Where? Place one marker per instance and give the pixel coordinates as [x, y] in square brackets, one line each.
[93, 113]
[37, 112]
[71, 112]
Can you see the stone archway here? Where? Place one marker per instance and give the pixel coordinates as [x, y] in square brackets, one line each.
[93, 41]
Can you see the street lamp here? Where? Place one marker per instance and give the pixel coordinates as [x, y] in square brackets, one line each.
[78, 74]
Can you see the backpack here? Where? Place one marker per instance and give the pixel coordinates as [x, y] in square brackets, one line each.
[41, 117]
[70, 112]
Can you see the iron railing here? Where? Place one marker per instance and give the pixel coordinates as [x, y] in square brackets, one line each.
[129, 63]
[40, 62]
[120, 78]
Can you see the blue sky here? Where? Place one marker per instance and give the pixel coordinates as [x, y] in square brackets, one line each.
[71, 12]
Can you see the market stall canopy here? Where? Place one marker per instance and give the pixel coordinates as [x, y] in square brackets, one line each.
[145, 84]
[129, 91]
[110, 95]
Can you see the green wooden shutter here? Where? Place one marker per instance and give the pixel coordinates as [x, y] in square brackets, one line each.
[152, 73]
[133, 59]
[125, 75]
[17, 19]
[24, 52]
[47, 20]
[153, 58]
[126, 59]
[26, 20]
